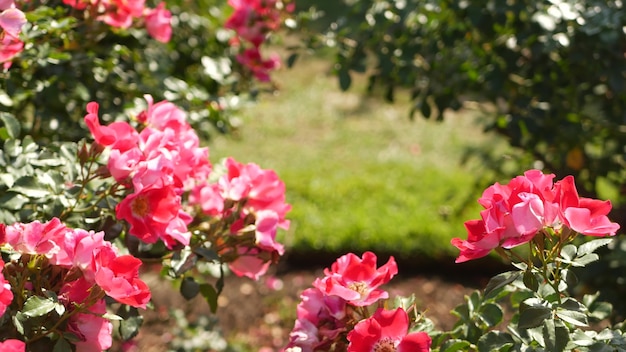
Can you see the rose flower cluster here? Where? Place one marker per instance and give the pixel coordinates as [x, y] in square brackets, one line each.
[333, 315]
[527, 206]
[57, 277]
[11, 22]
[166, 174]
[252, 21]
[122, 14]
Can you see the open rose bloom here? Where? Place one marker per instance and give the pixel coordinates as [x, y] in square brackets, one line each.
[528, 206]
[78, 267]
[333, 314]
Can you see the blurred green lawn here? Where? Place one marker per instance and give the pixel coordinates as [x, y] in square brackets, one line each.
[359, 174]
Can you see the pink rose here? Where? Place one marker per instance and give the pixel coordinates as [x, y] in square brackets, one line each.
[387, 330]
[357, 280]
[158, 23]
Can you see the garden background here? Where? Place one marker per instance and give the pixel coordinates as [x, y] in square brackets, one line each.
[386, 121]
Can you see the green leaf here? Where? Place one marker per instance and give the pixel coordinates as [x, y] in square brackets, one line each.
[455, 345]
[62, 345]
[568, 253]
[495, 341]
[189, 288]
[210, 295]
[555, 335]
[500, 281]
[182, 261]
[36, 306]
[580, 338]
[530, 280]
[11, 124]
[491, 314]
[129, 327]
[585, 259]
[533, 313]
[30, 187]
[345, 81]
[291, 60]
[13, 201]
[572, 317]
[207, 254]
[593, 245]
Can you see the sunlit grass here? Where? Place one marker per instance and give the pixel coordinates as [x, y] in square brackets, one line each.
[359, 174]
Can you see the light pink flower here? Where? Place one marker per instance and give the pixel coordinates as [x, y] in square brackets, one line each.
[266, 225]
[320, 321]
[34, 237]
[158, 23]
[387, 330]
[11, 21]
[94, 332]
[249, 263]
[209, 197]
[357, 280]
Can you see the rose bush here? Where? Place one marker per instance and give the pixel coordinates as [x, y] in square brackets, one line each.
[340, 314]
[78, 218]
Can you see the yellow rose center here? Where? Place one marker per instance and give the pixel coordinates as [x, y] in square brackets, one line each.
[139, 206]
[385, 345]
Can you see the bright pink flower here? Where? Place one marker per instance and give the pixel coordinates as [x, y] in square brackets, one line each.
[357, 280]
[77, 4]
[117, 135]
[158, 23]
[251, 58]
[120, 13]
[513, 215]
[387, 330]
[261, 189]
[10, 47]
[149, 212]
[6, 295]
[119, 278]
[12, 345]
[479, 243]
[583, 215]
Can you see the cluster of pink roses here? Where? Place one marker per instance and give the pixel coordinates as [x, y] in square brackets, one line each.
[162, 160]
[79, 267]
[333, 314]
[11, 22]
[249, 196]
[515, 213]
[158, 163]
[122, 13]
[253, 20]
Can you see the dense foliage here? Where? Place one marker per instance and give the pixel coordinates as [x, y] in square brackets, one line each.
[552, 72]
